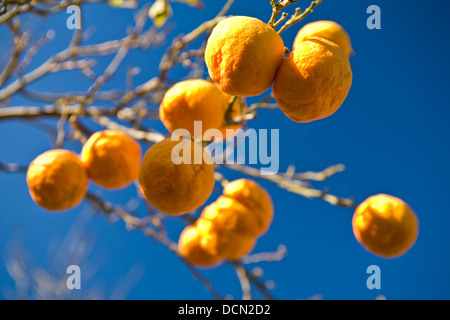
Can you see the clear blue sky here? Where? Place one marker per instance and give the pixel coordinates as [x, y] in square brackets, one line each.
[392, 133]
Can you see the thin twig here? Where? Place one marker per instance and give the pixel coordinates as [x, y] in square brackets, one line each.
[295, 186]
[13, 168]
[298, 16]
[244, 281]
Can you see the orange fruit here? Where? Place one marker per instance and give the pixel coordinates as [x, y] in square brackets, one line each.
[193, 100]
[190, 249]
[233, 216]
[57, 180]
[385, 225]
[329, 30]
[256, 199]
[111, 159]
[243, 55]
[230, 226]
[313, 81]
[218, 239]
[176, 188]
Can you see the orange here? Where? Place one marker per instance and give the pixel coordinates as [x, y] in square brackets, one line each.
[329, 30]
[313, 81]
[111, 159]
[233, 216]
[193, 100]
[218, 238]
[57, 180]
[176, 188]
[243, 55]
[256, 199]
[230, 226]
[385, 225]
[190, 249]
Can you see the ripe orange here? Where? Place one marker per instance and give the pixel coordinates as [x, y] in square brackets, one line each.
[57, 180]
[329, 30]
[176, 188]
[193, 100]
[189, 248]
[256, 199]
[233, 216]
[243, 55]
[219, 238]
[313, 82]
[111, 159]
[230, 226]
[385, 225]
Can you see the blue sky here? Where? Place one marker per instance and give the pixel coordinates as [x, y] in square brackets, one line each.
[392, 133]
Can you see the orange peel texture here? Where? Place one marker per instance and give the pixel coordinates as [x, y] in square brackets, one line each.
[57, 180]
[111, 159]
[329, 30]
[175, 188]
[243, 55]
[313, 81]
[193, 100]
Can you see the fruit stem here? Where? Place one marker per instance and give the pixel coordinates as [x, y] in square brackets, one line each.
[228, 118]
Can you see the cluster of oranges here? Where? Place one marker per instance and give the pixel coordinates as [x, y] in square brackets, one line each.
[245, 57]
[58, 179]
[228, 228]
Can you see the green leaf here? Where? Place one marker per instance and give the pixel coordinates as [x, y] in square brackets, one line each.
[159, 12]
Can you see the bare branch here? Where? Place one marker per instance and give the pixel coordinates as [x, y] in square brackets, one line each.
[245, 282]
[13, 168]
[278, 255]
[294, 185]
[299, 16]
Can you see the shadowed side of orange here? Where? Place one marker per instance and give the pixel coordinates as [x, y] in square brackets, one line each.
[256, 199]
[219, 238]
[189, 247]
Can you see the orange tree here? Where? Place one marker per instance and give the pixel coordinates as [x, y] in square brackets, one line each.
[244, 57]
